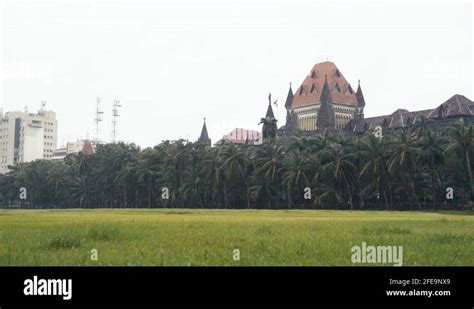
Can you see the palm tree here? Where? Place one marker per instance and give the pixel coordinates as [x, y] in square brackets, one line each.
[192, 190]
[462, 143]
[123, 178]
[83, 166]
[216, 176]
[421, 125]
[327, 195]
[235, 164]
[268, 161]
[58, 179]
[323, 141]
[147, 171]
[339, 169]
[432, 155]
[403, 163]
[297, 166]
[373, 153]
[407, 168]
[269, 128]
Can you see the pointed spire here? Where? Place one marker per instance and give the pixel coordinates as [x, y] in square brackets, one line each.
[326, 93]
[204, 138]
[269, 113]
[360, 96]
[289, 98]
[325, 117]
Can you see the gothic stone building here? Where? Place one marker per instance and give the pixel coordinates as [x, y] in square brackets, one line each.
[439, 119]
[325, 100]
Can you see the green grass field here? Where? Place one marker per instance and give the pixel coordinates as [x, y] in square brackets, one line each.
[208, 237]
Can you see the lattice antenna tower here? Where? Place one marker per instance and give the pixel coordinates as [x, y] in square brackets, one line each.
[115, 115]
[99, 117]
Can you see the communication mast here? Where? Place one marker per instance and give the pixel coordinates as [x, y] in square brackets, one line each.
[98, 119]
[43, 105]
[115, 115]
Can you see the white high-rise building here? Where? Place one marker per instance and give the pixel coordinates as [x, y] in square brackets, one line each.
[26, 137]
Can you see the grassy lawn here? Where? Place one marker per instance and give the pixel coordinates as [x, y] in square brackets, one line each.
[208, 237]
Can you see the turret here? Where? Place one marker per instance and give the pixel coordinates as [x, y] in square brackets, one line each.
[325, 118]
[204, 138]
[269, 128]
[359, 113]
[289, 98]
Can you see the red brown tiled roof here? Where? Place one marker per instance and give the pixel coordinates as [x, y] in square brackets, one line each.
[310, 90]
[88, 149]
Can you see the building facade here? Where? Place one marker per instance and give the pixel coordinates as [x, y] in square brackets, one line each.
[324, 100]
[439, 118]
[26, 137]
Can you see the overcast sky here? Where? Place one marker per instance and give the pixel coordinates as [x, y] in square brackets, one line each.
[172, 63]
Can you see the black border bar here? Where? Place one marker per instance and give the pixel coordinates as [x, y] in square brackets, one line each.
[240, 285]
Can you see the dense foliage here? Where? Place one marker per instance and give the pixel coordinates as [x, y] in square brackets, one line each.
[405, 169]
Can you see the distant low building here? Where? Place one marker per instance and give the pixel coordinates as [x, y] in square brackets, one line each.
[59, 154]
[75, 147]
[84, 145]
[240, 136]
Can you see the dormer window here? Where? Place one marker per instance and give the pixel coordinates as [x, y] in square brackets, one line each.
[336, 88]
[313, 89]
[338, 74]
[349, 90]
[313, 74]
[301, 91]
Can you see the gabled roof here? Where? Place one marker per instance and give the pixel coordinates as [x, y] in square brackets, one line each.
[457, 105]
[87, 149]
[398, 119]
[341, 92]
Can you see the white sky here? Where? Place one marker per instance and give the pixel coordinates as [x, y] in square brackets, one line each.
[172, 63]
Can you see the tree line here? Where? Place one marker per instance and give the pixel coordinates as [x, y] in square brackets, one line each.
[404, 169]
